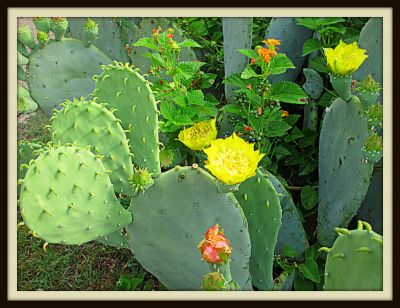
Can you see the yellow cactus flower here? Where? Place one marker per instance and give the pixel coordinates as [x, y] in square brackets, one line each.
[232, 160]
[199, 135]
[345, 58]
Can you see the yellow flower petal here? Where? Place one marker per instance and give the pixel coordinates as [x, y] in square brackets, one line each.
[232, 160]
[199, 135]
[345, 59]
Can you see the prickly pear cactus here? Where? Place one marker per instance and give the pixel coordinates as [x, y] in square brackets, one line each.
[292, 38]
[260, 203]
[169, 222]
[25, 103]
[355, 262]
[371, 39]
[67, 197]
[237, 35]
[292, 236]
[344, 174]
[125, 89]
[87, 123]
[110, 41]
[118, 239]
[62, 70]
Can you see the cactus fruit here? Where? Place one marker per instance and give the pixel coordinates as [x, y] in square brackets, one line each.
[368, 91]
[292, 37]
[25, 36]
[125, 89]
[214, 281]
[63, 70]
[67, 197]
[260, 203]
[91, 31]
[58, 25]
[355, 262]
[110, 41]
[43, 38]
[170, 218]
[141, 180]
[373, 148]
[292, 236]
[42, 24]
[237, 35]
[344, 174]
[87, 123]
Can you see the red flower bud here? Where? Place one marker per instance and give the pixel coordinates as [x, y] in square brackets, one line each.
[215, 247]
[248, 128]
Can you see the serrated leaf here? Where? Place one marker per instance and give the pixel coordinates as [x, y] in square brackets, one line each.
[281, 152]
[291, 119]
[168, 110]
[146, 42]
[195, 97]
[310, 270]
[235, 80]
[182, 119]
[280, 64]
[309, 197]
[252, 54]
[288, 92]
[334, 29]
[188, 68]
[232, 108]
[248, 72]
[189, 43]
[276, 128]
[310, 46]
[294, 134]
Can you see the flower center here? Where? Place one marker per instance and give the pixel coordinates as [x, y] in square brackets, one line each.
[232, 161]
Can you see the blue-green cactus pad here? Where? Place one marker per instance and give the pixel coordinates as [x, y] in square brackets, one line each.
[344, 174]
[87, 123]
[62, 70]
[170, 219]
[260, 203]
[67, 197]
[292, 236]
[118, 239]
[355, 262]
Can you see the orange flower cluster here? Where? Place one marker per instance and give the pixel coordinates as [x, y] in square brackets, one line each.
[266, 53]
[284, 113]
[272, 42]
[215, 247]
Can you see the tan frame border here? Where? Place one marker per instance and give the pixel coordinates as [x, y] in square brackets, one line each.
[386, 13]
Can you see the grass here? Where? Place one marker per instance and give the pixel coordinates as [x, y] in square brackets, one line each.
[88, 267]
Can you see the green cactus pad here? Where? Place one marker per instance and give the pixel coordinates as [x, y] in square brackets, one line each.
[292, 237]
[260, 203]
[344, 174]
[355, 262]
[21, 75]
[292, 38]
[25, 102]
[109, 37]
[118, 239]
[314, 84]
[67, 197]
[170, 220]
[87, 123]
[25, 36]
[125, 89]
[237, 35]
[63, 70]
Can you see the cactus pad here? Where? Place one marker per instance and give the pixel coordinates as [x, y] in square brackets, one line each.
[355, 262]
[260, 203]
[67, 197]
[117, 239]
[170, 219]
[344, 174]
[62, 70]
[292, 236]
[90, 124]
[126, 90]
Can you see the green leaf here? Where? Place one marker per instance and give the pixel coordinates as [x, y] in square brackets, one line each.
[310, 270]
[182, 119]
[199, 27]
[307, 167]
[208, 80]
[300, 284]
[188, 68]
[330, 20]
[235, 80]
[309, 197]
[326, 99]
[146, 42]
[252, 54]
[294, 134]
[276, 128]
[280, 64]
[195, 97]
[189, 43]
[288, 92]
[319, 64]
[334, 29]
[157, 59]
[291, 119]
[232, 108]
[289, 252]
[310, 46]
[308, 22]
[168, 110]
[248, 73]
[281, 152]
